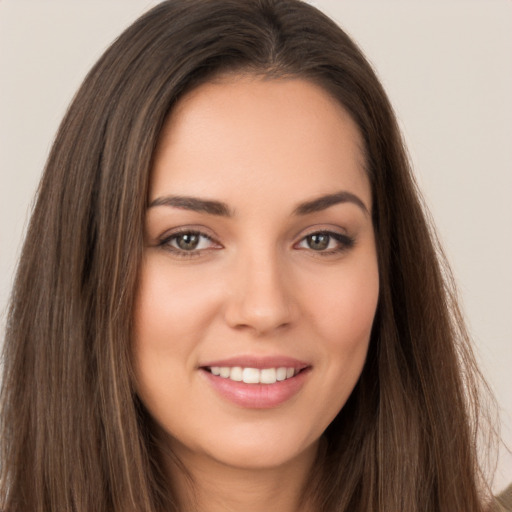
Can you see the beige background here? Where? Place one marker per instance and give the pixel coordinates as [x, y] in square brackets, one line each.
[447, 68]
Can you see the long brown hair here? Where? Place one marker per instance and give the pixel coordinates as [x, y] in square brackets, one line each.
[74, 435]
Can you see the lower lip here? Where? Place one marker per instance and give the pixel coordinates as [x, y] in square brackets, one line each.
[257, 396]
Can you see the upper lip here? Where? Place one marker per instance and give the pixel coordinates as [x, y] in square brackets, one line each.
[250, 361]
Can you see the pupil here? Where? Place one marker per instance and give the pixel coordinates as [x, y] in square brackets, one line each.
[188, 241]
[318, 242]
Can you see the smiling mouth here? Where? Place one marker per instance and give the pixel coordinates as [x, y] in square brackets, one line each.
[257, 383]
[249, 375]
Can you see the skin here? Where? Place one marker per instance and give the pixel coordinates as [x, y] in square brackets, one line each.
[257, 286]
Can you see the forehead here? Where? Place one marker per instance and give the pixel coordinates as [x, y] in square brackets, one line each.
[254, 133]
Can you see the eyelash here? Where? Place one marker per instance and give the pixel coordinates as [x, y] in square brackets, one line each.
[344, 243]
[166, 242]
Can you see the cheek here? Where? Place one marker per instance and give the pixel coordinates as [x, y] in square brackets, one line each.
[344, 316]
[345, 309]
[172, 311]
[341, 311]
[171, 308]
[171, 315]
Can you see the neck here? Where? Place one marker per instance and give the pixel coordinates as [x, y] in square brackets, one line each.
[212, 486]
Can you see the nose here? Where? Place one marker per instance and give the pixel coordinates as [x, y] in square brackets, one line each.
[260, 295]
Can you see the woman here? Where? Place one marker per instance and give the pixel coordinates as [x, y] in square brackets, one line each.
[229, 296]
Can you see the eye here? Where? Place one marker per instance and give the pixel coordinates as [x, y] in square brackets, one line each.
[328, 242]
[188, 243]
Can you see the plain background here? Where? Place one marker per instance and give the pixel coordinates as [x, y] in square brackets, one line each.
[446, 66]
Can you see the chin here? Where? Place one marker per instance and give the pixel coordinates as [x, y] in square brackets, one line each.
[257, 451]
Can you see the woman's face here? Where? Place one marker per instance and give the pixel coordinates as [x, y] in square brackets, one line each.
[259, 281]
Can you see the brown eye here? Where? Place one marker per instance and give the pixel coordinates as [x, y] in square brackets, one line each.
[318, 241]
[326, 242]
[187, 241]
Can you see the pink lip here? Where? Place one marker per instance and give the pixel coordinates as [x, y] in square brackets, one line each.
[258, 396]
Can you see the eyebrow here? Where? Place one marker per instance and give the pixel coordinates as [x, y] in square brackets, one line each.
[324, 202]
[222, 209]
[193, 203]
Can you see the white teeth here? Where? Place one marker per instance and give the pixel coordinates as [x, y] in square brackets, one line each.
[253, 375]
[236, 374]
[268, 376]
[281, 373]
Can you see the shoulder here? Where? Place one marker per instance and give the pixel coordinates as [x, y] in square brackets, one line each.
[503, 502]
